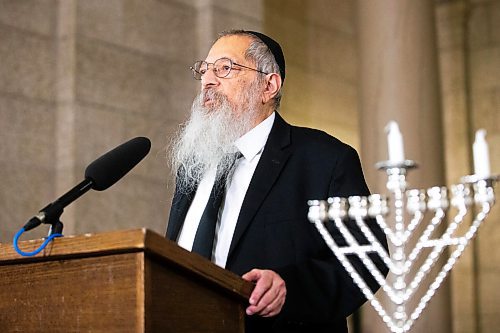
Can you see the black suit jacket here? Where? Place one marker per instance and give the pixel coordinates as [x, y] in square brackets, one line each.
[273, 232]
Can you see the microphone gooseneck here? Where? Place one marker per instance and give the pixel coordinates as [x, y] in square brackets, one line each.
[99, 175]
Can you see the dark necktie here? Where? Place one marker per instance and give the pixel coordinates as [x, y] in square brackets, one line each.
[204, 239]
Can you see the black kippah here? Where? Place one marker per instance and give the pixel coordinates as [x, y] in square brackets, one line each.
[275, 49]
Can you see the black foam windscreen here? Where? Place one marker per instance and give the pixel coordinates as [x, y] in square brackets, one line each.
[110, 167]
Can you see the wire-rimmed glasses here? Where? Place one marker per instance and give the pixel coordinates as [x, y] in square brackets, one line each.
[221, 67]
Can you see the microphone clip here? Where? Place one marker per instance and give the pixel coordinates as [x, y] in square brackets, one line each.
[51, 214]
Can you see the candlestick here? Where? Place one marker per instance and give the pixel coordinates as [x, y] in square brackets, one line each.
[395, 143]
[481, 155]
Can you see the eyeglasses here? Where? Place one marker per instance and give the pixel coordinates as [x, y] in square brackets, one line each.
[221, 67]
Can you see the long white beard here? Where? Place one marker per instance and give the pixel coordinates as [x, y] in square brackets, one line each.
[206, 140]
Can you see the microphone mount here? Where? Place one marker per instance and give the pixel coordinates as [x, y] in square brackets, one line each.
[51, 214]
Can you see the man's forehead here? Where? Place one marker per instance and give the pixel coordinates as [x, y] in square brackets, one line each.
[233, 47]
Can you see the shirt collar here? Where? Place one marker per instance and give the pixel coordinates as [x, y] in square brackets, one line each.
[253, 142]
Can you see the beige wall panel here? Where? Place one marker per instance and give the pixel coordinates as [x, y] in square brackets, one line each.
[296, 97]
[490, 303]
[149, 26]
[319, 90]
[155, 166]
[483, 103]
[97, 130]
[336, 102]
[25, 190]
[100, 130]
[491, 321]
[36, 16]
[27, 130]
[321, 102]
[285, 9]
[142, 197]
[27, 153]
[494, 145]
[494, 19]
[449, 25]
[451, 63]
[334, 110]
[463, 293]
[485, 72]
[326, 98]
[225, 19]
[479, 25]
[134, 202]
[247, 10]
[316, 48]
[27, 123]
[28, 65]
[489, 253]
[290, 31]
[457, 148]
[331, 15]
[332, 53]
[114, 78]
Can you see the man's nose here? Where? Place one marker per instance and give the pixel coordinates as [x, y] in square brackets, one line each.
[209, 79]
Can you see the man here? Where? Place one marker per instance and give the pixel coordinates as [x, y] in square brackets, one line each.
[261, 230]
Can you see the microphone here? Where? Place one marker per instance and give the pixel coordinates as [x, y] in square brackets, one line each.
[99, 175]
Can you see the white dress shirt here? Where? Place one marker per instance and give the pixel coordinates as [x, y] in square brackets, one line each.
[251, 146]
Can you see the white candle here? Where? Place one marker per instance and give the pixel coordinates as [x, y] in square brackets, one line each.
[395, 143]
[481, 155]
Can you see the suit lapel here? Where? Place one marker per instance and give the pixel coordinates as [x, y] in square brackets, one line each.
[271, 163]
[178, 211]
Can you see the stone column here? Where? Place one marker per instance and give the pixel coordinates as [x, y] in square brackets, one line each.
[399, 81]
[65, 177]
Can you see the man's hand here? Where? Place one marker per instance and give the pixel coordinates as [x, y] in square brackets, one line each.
[269, 293]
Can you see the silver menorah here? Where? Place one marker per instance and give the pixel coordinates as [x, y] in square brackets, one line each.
[474, 196]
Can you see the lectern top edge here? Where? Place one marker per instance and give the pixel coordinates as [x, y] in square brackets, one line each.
[128, 241]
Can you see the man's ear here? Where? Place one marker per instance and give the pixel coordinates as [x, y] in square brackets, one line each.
[273, 85]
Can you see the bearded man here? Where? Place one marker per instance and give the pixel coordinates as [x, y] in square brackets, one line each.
[241, 166]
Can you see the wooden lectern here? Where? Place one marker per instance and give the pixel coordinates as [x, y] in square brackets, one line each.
[125, 281]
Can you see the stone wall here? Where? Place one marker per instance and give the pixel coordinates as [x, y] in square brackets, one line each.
[319, 42]
[79, 78]
[469, 52]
